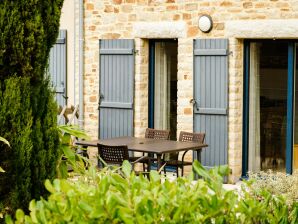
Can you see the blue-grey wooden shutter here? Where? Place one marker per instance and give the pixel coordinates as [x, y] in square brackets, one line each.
[211, 98]
[58, 68]
[116, 88]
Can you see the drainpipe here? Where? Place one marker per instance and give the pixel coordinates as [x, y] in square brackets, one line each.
[81, 63]
[74, 54]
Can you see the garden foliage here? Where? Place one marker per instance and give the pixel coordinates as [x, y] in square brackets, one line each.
[7, 143]
[73, 156]
[28, 30]
[277, 183]
[119, 196]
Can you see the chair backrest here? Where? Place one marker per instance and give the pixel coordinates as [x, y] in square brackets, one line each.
[191, 137]
[113, 154]
[157, 134]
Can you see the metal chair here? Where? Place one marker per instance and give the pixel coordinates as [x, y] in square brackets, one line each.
[115, 155]
[174, 161]
[154, 134]
[157, 134]
[112, 154]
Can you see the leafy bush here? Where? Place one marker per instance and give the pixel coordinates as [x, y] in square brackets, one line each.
[71, 157]
[277, 184]
[119, 196]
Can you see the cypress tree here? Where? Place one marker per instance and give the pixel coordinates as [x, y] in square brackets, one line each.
[15, 125]
[28, 113]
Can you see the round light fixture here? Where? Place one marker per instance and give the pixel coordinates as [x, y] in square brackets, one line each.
[205, 23]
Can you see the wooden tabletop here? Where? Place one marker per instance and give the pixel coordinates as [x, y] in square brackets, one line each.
[146, 144]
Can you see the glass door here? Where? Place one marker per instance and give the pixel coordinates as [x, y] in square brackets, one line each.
[268, 106]
[269, 102]
[163, 85]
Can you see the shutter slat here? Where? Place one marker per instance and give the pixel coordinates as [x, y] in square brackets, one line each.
[116, 51]
[116, 105]
[218, 111]
[60, 41]
[211, 52]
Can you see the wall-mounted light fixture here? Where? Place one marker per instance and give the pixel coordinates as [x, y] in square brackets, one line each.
[205, 23]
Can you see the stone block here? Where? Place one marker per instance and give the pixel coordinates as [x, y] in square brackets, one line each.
[172, 8]
[126, 8]
[188, 111]
[117, 2]
[191, 6]
[89, 6]
[109, 9]
[93, 98]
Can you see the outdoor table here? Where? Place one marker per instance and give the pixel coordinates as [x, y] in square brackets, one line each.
[149, 145]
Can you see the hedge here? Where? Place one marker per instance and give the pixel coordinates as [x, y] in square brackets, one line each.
[118, 196]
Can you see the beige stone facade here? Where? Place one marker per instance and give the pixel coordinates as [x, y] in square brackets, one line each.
[143, 20]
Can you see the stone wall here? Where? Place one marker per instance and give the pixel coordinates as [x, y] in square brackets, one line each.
[141, 87]
[112, 19]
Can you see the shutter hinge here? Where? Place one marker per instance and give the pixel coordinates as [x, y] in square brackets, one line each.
[136, 52]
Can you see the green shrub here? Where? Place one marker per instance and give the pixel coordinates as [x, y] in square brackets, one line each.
[71, 159]
[45, 137]
[118, 196]
[34, 141]
[277, 183]
[29, 29]
[15, 126]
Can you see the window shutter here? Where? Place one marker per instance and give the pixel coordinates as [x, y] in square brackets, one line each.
[211, 98]
[116, 88]
[57, 68]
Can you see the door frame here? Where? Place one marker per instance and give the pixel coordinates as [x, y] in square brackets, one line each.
[151, 84]
[290, 104]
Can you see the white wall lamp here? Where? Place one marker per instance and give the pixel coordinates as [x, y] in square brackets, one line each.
[205, 23]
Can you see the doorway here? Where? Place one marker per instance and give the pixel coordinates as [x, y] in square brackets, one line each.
[269, 120]
[163, 85]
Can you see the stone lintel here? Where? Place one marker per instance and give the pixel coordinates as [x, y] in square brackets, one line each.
[275, 28]
[159, 29]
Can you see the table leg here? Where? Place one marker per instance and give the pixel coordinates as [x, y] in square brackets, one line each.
[198, 154]
[158, 162]
[149, 164]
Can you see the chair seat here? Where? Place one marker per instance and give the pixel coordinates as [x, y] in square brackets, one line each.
[171, 169]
